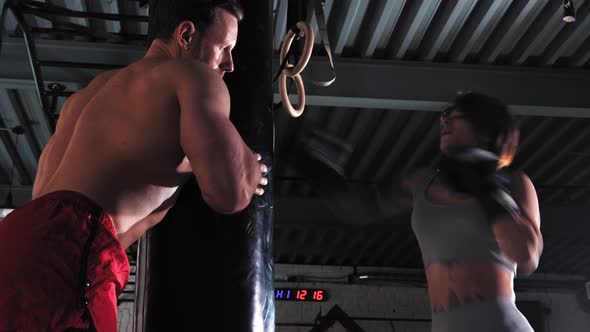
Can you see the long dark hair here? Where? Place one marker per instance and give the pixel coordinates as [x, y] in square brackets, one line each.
[165, 15]
[495, 126]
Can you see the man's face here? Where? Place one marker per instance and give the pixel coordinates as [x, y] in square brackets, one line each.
[215, 45]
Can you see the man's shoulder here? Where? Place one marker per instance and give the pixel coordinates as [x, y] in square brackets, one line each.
[179, 68]
[107, 75]
[90, 89]
[102, 78]
[186, 75]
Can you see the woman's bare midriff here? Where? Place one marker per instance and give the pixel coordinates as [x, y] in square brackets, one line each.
[454, 284]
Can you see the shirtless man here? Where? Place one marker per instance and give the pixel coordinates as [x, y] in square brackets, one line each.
[122, 148]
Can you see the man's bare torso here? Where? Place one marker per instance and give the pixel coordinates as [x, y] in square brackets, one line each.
[117, 142]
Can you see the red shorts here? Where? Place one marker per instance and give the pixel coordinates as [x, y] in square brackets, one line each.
[60, 263]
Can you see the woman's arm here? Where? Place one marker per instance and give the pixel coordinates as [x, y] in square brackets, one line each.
[519, 236]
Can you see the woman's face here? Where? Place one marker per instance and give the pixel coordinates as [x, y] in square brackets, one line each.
[455, 130]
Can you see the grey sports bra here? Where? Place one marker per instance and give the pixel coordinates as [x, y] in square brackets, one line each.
[451, 233]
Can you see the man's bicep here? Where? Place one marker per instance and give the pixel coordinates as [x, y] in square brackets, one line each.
[203, 134]
[220, 160]
[204, 117]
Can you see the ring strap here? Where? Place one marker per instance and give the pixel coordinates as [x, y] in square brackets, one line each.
[323, 32]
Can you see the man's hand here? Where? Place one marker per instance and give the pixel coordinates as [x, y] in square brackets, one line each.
[263, 180]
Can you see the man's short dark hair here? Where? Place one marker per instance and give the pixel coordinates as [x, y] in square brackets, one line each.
[165, 15]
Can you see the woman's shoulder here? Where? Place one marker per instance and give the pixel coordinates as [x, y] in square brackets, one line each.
[520, 181]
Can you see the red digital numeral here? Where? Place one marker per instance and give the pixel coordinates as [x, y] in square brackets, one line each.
[301, 294]
[318, 295]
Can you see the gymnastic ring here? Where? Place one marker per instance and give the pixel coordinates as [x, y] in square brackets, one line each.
[307, 49]
[285, 97]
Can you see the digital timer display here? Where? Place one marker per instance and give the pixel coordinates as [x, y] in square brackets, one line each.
[300, 294]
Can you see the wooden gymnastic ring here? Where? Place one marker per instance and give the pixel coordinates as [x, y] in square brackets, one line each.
[307, 49]
[285, 97]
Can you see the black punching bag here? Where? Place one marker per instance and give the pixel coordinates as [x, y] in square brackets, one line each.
[202, 271]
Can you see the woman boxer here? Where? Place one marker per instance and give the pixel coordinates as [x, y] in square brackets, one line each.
[476, 224]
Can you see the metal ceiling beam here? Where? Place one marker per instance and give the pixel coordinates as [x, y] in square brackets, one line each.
[79, 6]
[370, 125]
[518, 22]
[564, 169]
[529, 143]
[343, 25]
[482, 30]
[547, 167]
[428, 87]
[381, 132]
[387, 13]
[378, 84]
[573, 40]
[13, 49]
[544, 152]
[105, 25]
[582, 55]
[10, 20]
[419, 18]
[399, 146]
[543, 35]
[443, 36]
[280, 23]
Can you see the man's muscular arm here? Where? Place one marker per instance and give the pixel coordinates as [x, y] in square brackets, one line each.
[226, 169]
